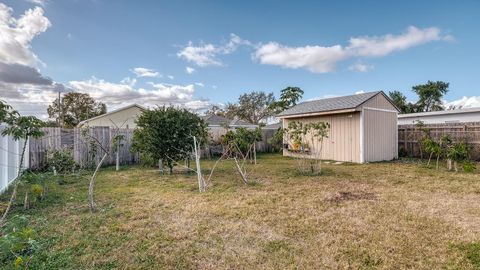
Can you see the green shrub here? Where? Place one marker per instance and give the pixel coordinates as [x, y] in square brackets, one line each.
[469, 166]
[18, 242]
[60, 160]
[37, 191]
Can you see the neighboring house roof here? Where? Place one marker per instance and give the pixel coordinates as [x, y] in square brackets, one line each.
[447, 112]
[273, 126]
[110, 113]
[216, 120]
[331, 104]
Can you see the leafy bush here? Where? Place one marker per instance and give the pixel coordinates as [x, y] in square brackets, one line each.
[277, 140]
[18, 242]
[242, 139]
[37, 191]
[167, 133]
[60, 160]
[469, 166]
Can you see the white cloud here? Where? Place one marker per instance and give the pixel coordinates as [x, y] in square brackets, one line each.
[170, 77]
[359, 92]
[464, 102]
[200, 84]
[189, 70]
[129, 81]
[17, 34]
[207, 54]
[21, 82]
[323, 59]
[322, 97]
[120, 94]
[145, 72]
[360, 67]
[38, 2]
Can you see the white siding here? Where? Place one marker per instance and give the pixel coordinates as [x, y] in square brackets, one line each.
[10, 152]
[441, 119]
[122, 118]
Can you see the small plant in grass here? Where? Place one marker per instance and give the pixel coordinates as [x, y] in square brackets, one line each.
[425, 133]
[469, 166]
[457, 152]
[18, 242]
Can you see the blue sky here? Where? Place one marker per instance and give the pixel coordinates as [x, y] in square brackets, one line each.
[234, 47]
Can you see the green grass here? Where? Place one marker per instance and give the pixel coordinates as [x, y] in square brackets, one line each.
[372, 216]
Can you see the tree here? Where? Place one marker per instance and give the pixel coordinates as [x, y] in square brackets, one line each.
[288, 98]
[166, 134]
[19, 128]
[5, 111]
[400, 100]
[253, 107]
[215, 110]
[430, 95]
[457, 152]
[74, 108]
[308, 143]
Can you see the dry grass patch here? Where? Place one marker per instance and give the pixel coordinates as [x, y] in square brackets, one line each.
[383, 215]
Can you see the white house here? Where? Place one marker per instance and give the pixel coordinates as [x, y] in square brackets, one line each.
[123, 118]
[441, 117]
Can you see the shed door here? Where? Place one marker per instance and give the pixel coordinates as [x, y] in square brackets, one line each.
[380, 135]
[343, 137]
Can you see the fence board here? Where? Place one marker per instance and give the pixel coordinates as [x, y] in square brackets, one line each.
[409, 136]
[78, 141]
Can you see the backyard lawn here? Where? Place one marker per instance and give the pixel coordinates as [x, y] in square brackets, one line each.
[380, 215]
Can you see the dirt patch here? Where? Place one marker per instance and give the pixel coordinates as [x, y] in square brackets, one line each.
[342, 196]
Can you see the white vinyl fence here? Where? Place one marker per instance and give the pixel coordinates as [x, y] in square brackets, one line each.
[10, 152]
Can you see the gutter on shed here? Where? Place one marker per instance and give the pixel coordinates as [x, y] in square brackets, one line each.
[316, 113]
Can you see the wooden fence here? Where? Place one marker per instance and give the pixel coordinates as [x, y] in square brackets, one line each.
[79, 143]
[410, 135]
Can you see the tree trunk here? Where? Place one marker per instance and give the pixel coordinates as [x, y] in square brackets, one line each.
[91, 201]
[242, 174]
[438, 160]
[455, 166]
[201, 182]
[449, 164]
[429, 159]
[160, 166]
[117, 163]
[25, 201]
[15, 187]
[255, 153]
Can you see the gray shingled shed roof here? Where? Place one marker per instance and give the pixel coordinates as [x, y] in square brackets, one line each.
[329, 104]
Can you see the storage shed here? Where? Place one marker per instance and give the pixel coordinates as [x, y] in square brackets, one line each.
[363, 127]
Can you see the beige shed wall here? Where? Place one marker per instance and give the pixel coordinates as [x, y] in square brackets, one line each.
[343, 142]
[128, 116]
[379, 102]
[380, 135]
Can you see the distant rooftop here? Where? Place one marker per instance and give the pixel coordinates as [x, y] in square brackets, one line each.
[217, 120]
[455, 111]
[329, 104]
